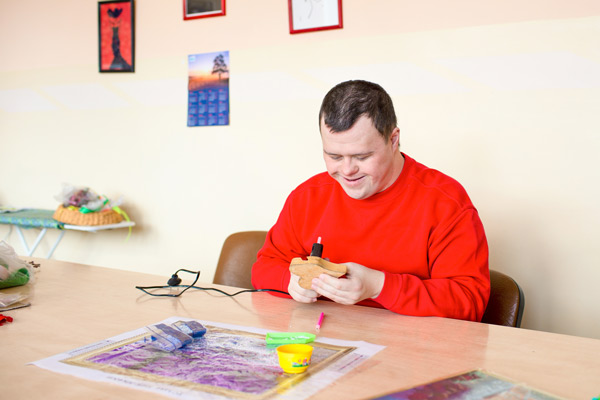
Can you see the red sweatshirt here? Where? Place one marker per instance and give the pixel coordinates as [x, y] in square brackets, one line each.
[423, 232]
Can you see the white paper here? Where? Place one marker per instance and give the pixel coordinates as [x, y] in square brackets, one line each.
[300, 391]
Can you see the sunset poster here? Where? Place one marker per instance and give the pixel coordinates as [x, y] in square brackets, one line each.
[208, 89]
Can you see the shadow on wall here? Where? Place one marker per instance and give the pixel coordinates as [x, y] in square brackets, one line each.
[517, 248]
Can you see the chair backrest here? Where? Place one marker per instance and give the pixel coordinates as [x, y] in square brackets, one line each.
[237, 256]
[507, 301]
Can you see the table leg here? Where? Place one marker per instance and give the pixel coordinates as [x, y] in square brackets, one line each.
[8, 234]
[35, 244]
[60, 235]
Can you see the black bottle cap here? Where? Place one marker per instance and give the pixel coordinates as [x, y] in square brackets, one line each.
[317, 250]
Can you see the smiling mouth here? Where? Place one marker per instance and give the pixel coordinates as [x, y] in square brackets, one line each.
[353, 180]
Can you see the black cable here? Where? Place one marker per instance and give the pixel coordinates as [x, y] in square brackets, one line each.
[175, 280]
[241, 291]
[143, 289]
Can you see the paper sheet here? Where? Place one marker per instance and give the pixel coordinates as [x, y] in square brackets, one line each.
[229, 362]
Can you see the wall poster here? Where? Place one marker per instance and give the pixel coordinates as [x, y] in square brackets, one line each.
[208, 89]
[116, 43]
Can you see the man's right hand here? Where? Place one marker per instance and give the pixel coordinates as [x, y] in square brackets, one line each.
[300, 294]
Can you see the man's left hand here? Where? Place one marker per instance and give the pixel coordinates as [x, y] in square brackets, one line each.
[360, 283]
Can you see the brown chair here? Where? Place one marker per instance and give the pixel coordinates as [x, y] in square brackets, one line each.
[507, 301]
[239, 251]
[236, 259]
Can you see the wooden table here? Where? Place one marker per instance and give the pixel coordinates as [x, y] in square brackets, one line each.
[75, 305]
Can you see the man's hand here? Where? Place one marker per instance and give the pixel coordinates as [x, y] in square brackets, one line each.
[300, 294]
[361, 283]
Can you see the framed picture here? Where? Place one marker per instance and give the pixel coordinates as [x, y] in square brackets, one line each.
[203, 8]
[116, 43]
[314, 15]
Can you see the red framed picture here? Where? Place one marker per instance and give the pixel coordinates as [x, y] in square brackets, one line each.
[314, 15]
[116, 36]
[203, 8]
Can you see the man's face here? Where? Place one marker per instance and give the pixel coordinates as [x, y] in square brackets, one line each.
[360, 159]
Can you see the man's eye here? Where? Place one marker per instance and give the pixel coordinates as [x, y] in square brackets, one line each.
[362, 158]
[335, 158]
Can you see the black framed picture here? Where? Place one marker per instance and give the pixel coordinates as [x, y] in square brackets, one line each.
[116, 44]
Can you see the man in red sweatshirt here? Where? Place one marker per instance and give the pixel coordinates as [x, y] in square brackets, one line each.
[410, 238]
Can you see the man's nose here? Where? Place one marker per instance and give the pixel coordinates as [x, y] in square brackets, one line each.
[349, 167]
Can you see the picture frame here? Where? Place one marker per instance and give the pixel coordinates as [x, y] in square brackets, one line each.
[193, 9]
[116, 36]
[314, 15]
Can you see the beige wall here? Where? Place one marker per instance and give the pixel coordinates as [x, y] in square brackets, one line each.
[503, 96]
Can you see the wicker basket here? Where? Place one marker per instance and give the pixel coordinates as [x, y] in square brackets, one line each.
[74, 217]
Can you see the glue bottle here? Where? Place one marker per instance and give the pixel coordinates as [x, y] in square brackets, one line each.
[317, 249]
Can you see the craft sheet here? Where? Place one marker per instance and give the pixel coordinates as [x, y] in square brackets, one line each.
[472, 385]
[230, 361]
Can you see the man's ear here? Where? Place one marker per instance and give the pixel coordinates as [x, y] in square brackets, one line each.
[395, 138]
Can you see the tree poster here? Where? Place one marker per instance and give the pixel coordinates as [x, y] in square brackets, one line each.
[208, 89]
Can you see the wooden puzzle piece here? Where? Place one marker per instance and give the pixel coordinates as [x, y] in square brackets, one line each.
[312, 267]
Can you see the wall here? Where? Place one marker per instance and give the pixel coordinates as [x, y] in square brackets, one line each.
[503, 96]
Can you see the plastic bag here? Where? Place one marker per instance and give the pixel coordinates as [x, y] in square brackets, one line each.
[8, 299]
[175, 336]
[13, 270]
[85, 199]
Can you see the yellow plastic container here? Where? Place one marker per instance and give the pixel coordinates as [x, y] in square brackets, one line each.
[294, 358]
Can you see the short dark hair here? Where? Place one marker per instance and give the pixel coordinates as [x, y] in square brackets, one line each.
[348, 101]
